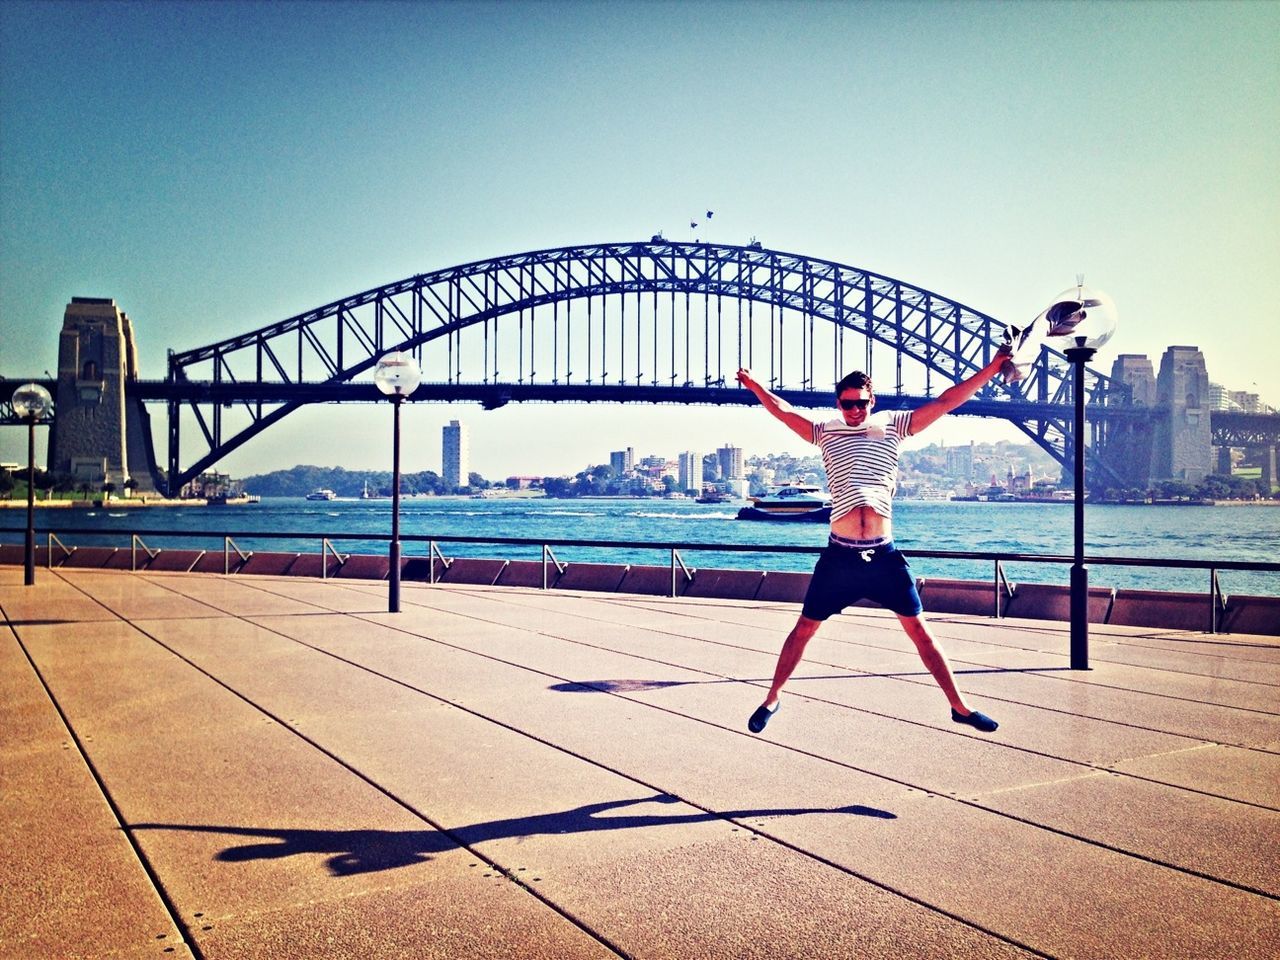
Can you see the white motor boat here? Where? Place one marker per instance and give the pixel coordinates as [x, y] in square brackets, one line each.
[794, 501]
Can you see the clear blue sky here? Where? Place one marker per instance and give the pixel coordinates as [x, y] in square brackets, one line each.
[215, 167]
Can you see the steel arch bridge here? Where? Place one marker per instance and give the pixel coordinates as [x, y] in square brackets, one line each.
[657, 321]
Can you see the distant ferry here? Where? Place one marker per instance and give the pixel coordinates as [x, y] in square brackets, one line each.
[322, 494]
[796, 501]
[717, 497]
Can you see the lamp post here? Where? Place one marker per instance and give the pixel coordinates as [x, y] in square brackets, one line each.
[1086, 319]
[31, 401]
[397, 376]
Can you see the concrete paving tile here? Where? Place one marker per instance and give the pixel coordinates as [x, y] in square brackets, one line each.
[73, 886]
[1199, 688]
[1031, 727]
[1252, 776]
[51, 599]
[1240, 646]
[1196, 664]
[133, 597]
[329, 595]
[466, 918]
[1232, 841]
[1149, 709]
[232, 596]
[759, 902]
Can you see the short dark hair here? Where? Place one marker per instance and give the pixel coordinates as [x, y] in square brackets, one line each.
[854, 381]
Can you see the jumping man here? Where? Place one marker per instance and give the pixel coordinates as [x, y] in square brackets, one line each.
[860, 453]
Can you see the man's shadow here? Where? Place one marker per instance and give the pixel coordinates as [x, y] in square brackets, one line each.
[365, 851]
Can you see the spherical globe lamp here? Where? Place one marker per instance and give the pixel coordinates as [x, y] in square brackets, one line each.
[32, 401]
[397, 375]
[1081, 317]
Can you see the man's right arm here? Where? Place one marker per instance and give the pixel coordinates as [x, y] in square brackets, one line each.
[802, 426]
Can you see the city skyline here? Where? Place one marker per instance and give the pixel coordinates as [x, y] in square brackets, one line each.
[938, 143]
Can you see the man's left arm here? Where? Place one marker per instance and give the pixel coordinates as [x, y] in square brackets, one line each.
[953, 396]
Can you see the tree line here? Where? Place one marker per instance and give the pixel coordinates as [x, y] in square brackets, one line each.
[303, 479]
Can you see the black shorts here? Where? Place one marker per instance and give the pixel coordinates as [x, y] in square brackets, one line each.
[845, 575]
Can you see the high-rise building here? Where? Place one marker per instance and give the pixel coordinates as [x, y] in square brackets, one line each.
[690, 477]
[457, 455]
[960, 461]
[623, 461]
[730, 462]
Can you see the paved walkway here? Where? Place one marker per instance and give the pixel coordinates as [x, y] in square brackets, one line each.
[194, 765]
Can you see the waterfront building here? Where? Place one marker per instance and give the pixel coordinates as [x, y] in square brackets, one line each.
[1246, 401]
[623, 461]
[960, 461]
[457, 454]
[689, 477]
[730, 462]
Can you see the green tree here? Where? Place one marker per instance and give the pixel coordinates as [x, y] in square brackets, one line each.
[558, 487]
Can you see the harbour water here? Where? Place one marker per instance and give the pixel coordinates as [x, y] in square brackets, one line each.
[1250, 534]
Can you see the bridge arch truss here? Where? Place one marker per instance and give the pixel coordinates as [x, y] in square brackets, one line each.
[653, 321]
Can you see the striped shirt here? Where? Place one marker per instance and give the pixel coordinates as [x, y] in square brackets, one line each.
[862, 461]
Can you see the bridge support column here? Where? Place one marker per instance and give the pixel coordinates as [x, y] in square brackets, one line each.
[1224, 461]
[1266, 457]
[1128, 448]
[96, 359]
[1184, 439]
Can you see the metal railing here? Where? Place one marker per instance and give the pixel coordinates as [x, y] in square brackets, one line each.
[1002, 588]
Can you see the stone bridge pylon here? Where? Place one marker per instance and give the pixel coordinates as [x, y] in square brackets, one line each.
[100, 434]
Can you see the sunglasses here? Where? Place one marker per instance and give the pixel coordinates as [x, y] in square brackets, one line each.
[850, 404]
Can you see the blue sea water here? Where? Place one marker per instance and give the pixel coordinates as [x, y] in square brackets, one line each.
[1172, 532]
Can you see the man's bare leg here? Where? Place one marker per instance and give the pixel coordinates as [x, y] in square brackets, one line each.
[935, 662]
[792, 653]
[788, 659]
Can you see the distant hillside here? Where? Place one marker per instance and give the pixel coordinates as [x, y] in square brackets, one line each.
[303, 479]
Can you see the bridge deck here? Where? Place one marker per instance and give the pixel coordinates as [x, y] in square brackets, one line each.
[199, 766]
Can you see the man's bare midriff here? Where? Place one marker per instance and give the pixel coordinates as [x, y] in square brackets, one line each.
[862, 523]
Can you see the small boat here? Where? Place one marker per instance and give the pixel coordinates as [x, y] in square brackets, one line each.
[716, 497]
[794, 502]
[322, 494]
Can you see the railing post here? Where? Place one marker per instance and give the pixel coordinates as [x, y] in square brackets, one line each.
[1217, 602]
[227, 546]
[688, 574]
[560, 567]
[996, 584]
[134, 542]
[432, 554]
[326, 548]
